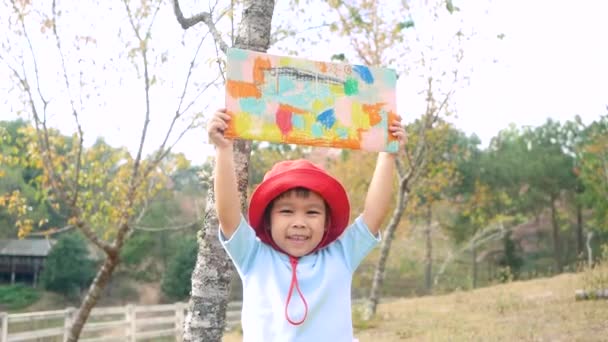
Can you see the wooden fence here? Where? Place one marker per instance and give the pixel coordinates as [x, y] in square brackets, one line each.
[124, 323]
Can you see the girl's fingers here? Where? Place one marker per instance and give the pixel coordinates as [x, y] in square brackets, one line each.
[223, 116]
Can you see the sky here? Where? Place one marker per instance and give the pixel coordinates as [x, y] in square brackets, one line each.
[550, 63]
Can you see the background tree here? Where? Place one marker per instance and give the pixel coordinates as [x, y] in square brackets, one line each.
[593, 172]
[387, 35]
[176, 279]
[550, 172]
[102, 191]
[439, 174]
[68, 268]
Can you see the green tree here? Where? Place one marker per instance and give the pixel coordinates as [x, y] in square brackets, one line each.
[550, 173]
[594, 171]
[177, 277]
[68, 268]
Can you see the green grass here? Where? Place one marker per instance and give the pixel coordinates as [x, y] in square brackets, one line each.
[16, 297]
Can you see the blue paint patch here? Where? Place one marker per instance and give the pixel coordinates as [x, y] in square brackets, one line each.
[389, 77]
[285, 84]
[300, 100]
[342, 132]
[317, 90]
[252, 105]
[384, 118]
[327, 118]
[317, 130]
[237, 54]
[297, 121]
[392, 146]
[364, 73]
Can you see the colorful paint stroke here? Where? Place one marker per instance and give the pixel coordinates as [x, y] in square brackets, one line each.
[298, 101]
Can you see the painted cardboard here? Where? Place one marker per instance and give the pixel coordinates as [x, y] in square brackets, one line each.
[299, 101]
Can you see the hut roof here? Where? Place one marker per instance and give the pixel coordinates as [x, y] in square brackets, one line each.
[26, 247]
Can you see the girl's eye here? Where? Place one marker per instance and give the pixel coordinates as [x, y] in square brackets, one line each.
[313, 212]
[285, 211]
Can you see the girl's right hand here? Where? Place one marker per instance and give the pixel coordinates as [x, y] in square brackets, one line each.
[216, 127]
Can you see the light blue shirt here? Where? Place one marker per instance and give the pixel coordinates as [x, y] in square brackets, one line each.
[324, 278]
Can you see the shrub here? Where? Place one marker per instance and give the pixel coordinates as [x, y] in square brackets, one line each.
[17, 297]
[68, 268]
[176, 280]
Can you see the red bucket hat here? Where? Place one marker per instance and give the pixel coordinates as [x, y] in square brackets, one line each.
[291, 174]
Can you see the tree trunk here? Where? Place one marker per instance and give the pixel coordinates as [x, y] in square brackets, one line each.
[389, 235]
[99, 283]
[474, 252]
[557, 245]
[428, 269]
[589, 250]
[206, 318]
[580, 243]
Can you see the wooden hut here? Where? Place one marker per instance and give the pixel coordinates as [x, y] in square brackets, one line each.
[23, 260]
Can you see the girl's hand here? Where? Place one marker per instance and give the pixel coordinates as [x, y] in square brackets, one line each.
[398, 132]
[216, 127]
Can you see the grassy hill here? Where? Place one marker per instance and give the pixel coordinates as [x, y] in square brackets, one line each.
[535, 310]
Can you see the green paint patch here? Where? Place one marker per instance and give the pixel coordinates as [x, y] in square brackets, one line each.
[351, 86]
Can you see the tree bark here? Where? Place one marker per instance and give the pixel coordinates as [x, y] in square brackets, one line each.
[428, 269]
[474, 261]
[205, 320]
[95, 290]
[206, 317]
[389, 235]
[557, 245]
[580, 242]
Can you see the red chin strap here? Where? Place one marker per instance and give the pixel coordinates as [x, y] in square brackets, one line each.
[294, 283]
[294, 280]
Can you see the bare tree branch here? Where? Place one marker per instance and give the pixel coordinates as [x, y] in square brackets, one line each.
[186, 84]
[53, 231]
[162, 152]
[136, 177]
[75, 191]
[219, 63]
[55, 184]
[200, 93]
[161, 229]
[280, 35]
[204, 17]
[90, 234]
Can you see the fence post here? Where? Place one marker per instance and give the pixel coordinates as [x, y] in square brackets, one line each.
[179, 321]
[67, 322]
[4, 336]
[131, 321]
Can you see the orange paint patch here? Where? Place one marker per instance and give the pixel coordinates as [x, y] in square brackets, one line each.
[238, 89]
[292, 109]
[259, 66]
[337, 143]
[322, 66]
[374, 112]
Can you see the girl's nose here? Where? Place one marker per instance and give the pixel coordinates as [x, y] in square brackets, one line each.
[298, 222]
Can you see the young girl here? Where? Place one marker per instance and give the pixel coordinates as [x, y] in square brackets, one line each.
[297, 254]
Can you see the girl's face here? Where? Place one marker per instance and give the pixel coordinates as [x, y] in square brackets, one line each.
[297, 223]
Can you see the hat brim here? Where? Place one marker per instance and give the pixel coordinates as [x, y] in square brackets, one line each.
[320, 182]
